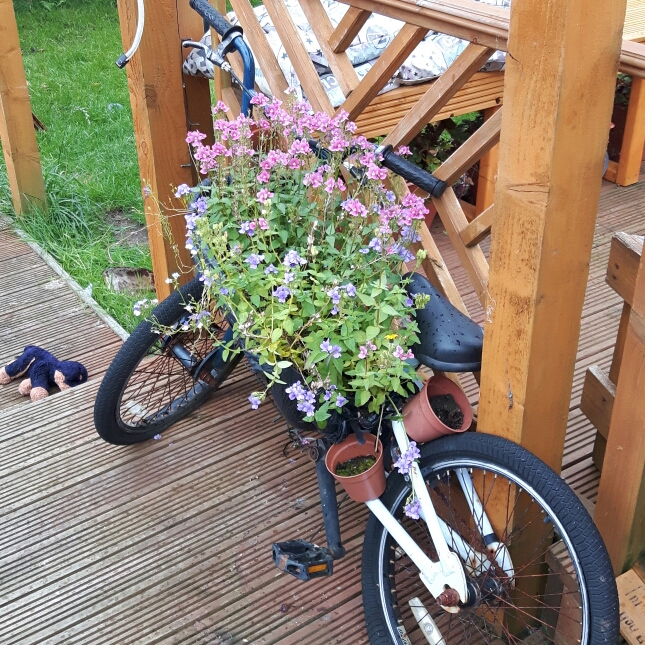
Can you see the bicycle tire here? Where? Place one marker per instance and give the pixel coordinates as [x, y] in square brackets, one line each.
[390, 622]
[108, 414]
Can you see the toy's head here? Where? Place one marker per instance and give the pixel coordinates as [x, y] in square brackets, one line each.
[70, 373]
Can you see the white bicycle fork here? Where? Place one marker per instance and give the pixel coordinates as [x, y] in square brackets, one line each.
[449, 571]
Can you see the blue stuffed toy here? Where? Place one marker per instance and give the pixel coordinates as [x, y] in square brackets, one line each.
[42, 371]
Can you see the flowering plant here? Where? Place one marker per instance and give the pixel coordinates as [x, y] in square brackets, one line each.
[305, 255]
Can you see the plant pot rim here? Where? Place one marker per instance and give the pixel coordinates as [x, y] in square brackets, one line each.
[376, 456]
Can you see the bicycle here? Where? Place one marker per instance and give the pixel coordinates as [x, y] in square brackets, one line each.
[503, 551]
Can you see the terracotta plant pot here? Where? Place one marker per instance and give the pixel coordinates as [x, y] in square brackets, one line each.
[421, 423]
[368, 485]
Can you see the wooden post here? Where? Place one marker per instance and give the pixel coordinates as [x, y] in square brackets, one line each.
[16, 125]
[620, 508]
[631, 151]
[559, 88]
[160, 124]
[487, 172]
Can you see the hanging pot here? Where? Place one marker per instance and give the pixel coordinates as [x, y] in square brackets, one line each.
[368, 485]
[421, 423]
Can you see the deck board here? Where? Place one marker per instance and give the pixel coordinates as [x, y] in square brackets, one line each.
[168, 542]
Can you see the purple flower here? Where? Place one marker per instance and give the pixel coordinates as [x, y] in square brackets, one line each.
[292, 259]
[255, 401]
[390, 196]
[413, 509]
[401, 251]
[182, 189]
[350, 290]
[375, 245]
[329, 392]
[409, 234]
[305, 398]
[289, 277]
[400, 353]
[254, 259]
[333, 350]
[248, 228]
[405, 461]
[199, 205]
[409, 302]
[340, 401]
[224, 291]
[281, 293]
[334, 294]
[364, 250]
[270, 269]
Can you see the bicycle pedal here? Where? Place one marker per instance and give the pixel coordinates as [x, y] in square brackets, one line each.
[303, 560]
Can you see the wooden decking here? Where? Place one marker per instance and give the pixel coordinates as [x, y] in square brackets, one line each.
[168, 542]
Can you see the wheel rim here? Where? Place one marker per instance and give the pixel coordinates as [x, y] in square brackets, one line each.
[559, 613]
[164, 382]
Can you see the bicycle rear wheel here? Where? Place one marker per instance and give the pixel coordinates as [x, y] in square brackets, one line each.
[560, 588]
[156, 379]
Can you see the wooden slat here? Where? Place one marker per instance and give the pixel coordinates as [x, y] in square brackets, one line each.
[478, 229]
[472, 258]
[298, 56]
[388, 62]
[547, 155]
[17, 132]
[339, 62]
[622, 268]
[631, 595]
[347, 29]
[438, 95]
[469, 152]
[260, 46]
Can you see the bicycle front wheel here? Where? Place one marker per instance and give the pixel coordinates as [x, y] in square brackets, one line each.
[558, 587]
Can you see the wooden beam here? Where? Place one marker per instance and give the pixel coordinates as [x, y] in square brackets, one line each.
[260, 46]
[479, 229]
[621, 497]
[17, 132]
[381, 72]
[622, 268]
[487, 175]
[597, 402]
[298, 56]
[546, 202]
[469, 152]
[158, 110]
[631, 151]
[472, 259]
[339, 62]
[347, 29]
[439, 93]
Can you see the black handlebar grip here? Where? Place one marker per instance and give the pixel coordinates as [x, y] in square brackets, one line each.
[213, 17]
[412, 173]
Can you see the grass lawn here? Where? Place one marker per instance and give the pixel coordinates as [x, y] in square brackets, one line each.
[88, 150]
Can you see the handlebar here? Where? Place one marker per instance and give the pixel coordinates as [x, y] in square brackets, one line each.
[213, 17]
[412, 173]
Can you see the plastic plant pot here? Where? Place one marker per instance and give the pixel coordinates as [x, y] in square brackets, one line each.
[421, 423]
[368, 485]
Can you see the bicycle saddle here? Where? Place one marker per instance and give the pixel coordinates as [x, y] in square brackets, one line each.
[449, 341]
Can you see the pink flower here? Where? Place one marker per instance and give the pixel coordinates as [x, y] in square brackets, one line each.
[264, 124]
[340, 185]
[313, 179]
[376, 172]
[330, 184]
[295, 164]
[263, 195]
[362, 352]
[355, 208]
[262, 223]
[260, 99]
[399, 353]
[194, 137]
[300, 147]
[404, 150]
[220, 106]
[263, 177]
[338, 144]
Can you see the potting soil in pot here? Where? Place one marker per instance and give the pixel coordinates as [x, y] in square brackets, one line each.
[355, 466]
[447, 410]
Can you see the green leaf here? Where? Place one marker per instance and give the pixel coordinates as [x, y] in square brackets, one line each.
[284, 364]
[283, 234]
[255, 299]
[367, 300]
[308, 309]
[362, 397]
[389, 311]
[371, 332]
[275, 334]
[287, 325]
